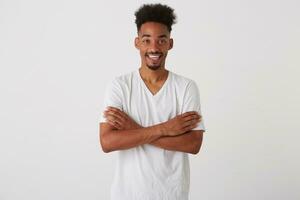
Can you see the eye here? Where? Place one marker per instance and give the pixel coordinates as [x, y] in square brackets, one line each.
[162, 41]
[146, 41]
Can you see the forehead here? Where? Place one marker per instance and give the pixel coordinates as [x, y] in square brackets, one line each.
[153, 29]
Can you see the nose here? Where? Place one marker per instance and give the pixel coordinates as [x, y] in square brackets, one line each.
[154, 47]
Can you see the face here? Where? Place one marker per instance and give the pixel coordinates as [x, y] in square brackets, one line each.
[153, 42]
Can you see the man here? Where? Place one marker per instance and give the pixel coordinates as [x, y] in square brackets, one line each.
[152, 118]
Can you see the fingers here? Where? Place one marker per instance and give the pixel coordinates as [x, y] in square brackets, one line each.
[113, 116]
[114, 123]
[190, 114]
[112, 119]
[116, 113]
[192, 117]
[116, 117]
[193, 122]
[190, 127]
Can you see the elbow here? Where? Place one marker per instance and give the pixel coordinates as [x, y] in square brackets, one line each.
[105, 148]
[105, 138]
[197, 144]
[105, 144]
[196, 149]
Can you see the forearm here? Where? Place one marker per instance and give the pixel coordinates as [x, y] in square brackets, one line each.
[121, 132]
[112, 140]
[189, 142]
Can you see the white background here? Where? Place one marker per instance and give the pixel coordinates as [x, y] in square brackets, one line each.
[57, 56]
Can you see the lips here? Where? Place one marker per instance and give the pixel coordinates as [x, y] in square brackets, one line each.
[154, 57]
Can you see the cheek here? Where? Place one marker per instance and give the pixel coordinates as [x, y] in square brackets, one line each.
[142, 53]
[165, 51]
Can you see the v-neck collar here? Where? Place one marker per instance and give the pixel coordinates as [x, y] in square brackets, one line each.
[148, 90]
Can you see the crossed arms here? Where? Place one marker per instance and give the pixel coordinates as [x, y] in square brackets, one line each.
[121, 132]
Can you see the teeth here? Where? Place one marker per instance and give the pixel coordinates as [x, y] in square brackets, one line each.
[154, 57]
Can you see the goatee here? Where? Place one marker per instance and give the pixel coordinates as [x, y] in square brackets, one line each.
[153, 67]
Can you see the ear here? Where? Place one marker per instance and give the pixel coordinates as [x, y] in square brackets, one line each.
[171, 43]
[137, 42]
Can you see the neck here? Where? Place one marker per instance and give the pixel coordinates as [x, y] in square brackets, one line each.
[153, 76]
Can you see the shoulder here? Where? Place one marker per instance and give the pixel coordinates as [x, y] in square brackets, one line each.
[182, 81]
[124, 78]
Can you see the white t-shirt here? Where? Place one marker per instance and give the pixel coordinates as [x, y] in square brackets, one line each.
[147, 172]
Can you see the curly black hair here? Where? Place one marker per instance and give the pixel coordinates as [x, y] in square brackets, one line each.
[155, 13]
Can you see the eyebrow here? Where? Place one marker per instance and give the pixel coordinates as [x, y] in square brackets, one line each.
[161, 36]
[145, 35]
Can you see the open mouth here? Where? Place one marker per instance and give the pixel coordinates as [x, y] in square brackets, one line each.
[154, 57]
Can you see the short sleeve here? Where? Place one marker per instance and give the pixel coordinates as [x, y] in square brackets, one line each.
[191, 102]
[112, 97]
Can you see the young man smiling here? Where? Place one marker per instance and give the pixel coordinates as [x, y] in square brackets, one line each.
[152, 118]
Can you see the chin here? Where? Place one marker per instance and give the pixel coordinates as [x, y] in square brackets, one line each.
[153, 67]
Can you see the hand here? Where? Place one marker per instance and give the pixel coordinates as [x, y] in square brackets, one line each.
[181, 123]
[120, 119]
